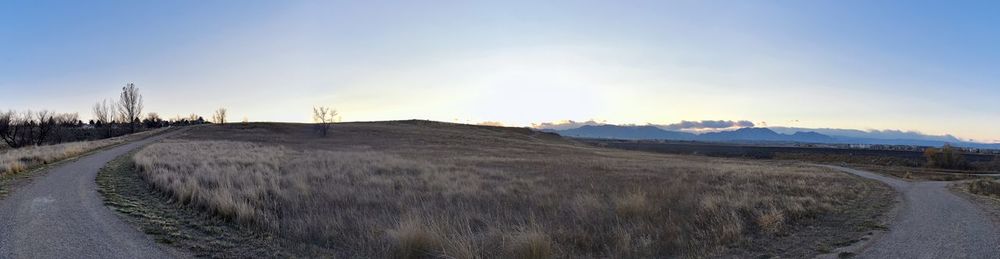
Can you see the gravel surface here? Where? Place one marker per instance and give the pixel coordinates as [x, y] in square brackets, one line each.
[933, 222]
[61, 215]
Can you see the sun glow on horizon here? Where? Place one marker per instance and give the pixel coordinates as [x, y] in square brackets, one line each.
[805, 64]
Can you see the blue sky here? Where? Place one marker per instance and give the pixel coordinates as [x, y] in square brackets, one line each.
[914, 65]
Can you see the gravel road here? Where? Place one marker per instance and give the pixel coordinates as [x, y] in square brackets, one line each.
[61, 215]
[933, 222]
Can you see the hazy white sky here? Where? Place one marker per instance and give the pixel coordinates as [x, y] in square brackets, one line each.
[912, 65]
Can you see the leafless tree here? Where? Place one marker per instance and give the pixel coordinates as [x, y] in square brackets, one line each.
[324, 118]
[46, 123]
[22, 129]
[63, 125]
[9, 128]
[103, 112]
[67, 119]
[219, 116]
[130, 106]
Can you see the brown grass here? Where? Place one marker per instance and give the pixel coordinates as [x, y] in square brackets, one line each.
[923, 174]
[419, 189]
[986, 187]
[14, 161]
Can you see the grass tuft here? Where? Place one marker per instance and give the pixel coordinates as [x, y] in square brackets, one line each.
[530, 245]
[632, 205]
[771, 221]
[413, 238]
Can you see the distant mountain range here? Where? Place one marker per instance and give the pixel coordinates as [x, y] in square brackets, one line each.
[798, 135]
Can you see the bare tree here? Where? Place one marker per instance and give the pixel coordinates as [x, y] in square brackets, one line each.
[103, 112]
[46, 123]
[67, 119]
[324, 118]
[16, 129]
[219, 116]
[9, 127]
[62, 127]
[130, 106]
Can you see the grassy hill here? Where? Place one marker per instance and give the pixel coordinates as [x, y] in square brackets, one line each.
[418, 188]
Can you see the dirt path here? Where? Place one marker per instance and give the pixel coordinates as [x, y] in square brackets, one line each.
[932, 222]
[61, 215]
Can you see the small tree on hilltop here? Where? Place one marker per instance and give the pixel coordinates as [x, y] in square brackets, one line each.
[219, 116]
[324, 118]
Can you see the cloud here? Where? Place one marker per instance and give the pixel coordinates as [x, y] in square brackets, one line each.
[905, 134]
[707, 125]
[689, 126]
[566, 124]
[871, 133]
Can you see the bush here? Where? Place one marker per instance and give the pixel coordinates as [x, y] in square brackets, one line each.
[946, 157]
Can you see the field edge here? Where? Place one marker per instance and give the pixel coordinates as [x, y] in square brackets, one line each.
[170, 223]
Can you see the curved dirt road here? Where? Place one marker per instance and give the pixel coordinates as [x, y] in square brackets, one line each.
[932, 222]
[61, 215]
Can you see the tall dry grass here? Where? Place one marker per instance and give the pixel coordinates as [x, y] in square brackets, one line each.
[14, 161]
[986, 187]
[476, 196]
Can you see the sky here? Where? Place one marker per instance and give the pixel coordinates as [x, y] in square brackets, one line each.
[928, 66]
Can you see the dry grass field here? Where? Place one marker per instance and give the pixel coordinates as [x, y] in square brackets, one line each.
[14, 161]
[985, 187]
[424, 189]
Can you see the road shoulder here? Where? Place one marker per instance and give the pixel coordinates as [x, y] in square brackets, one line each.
[841, 232]
[889, 205]
[991, 205]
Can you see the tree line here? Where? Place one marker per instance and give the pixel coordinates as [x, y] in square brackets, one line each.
[111, 118]
[19, 129]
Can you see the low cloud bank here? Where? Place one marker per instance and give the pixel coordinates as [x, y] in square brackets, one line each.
[872, 134]
[707, 125]
[687, 126]
[861, 136]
